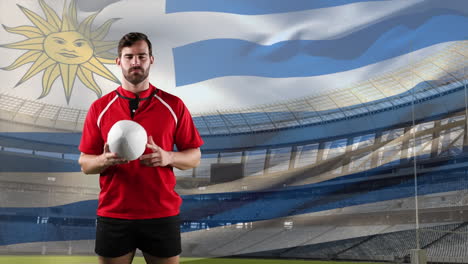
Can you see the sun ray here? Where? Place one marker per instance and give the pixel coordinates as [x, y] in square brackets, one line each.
[51, 16]
[100, 46]
[106, 55]
[49, 77]
[105, 61]
[40, 64]
[27, 57]
[27, 44]
[96, 66]
[73, 13]
[69, 20]
[86, 77]
[43, 25]
[102, 31]
[27, 31]
[68, 73]
[85, 26]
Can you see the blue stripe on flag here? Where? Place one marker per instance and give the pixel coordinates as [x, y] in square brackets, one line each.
[214, 58]
[254, 7]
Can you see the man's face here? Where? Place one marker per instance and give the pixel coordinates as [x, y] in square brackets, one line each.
[135, 62]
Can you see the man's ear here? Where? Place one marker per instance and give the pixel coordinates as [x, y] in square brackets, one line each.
[117, 61]
[151, 59]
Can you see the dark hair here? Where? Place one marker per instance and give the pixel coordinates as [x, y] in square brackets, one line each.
[130, 39]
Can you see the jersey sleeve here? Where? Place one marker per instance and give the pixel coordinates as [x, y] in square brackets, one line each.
[91, 139]
[186, 135]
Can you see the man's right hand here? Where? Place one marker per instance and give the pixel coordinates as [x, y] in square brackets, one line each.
[108, 158]
[95, 164]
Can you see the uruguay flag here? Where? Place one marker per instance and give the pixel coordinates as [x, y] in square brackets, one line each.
[241, 53]
[233, 54]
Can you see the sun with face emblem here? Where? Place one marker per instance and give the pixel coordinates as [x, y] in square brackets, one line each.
[62, 47]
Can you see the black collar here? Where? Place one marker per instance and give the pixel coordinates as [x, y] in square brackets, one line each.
[136, 96]
[135, 102]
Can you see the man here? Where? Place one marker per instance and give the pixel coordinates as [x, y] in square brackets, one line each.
[138, 207]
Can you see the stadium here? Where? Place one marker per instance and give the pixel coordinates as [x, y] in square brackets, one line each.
[374, 171]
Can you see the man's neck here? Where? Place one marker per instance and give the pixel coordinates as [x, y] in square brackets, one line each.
[135, 88]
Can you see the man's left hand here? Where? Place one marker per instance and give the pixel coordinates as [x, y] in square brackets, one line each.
[159, 157]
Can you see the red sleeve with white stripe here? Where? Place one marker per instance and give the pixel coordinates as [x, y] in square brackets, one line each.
[91, 139]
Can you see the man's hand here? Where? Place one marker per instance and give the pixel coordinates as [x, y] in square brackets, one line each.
[108, 158]
[95, 164]
[159, 157]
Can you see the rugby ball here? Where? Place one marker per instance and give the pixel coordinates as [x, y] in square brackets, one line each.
[128, 139]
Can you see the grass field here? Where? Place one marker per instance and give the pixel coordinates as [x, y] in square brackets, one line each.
[140, 260]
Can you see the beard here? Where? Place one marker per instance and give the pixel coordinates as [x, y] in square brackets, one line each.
[136, 77]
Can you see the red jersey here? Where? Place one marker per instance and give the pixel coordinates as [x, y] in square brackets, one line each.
[133, 190]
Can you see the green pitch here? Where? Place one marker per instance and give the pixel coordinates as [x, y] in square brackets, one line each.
[140, 260]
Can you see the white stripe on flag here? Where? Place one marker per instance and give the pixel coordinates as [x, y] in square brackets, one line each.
[325, 23]
[237, 92]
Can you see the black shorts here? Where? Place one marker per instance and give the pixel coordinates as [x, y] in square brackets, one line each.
[157, 237]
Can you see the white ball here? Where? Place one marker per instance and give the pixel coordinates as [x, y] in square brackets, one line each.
[128, 139]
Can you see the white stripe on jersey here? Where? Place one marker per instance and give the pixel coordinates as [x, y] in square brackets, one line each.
[105, 109]
[168, 107]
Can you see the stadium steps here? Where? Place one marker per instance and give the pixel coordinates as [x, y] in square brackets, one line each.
[353, 246]
[288, 250]
[445, 235]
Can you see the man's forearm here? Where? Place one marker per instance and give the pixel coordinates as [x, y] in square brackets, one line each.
[91, 164]
[186, 159]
